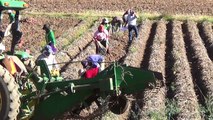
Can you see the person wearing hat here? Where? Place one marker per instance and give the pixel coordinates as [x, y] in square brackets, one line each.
[92, 65]
[101, 37]
[105, 23]
[49, 57]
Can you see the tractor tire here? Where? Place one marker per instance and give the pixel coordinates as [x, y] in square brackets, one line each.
[118, 104]
[9, 96]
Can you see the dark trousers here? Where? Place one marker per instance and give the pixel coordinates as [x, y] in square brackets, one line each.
[104, 43]
[131, 28]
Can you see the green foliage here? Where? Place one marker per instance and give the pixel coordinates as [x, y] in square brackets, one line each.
[133, 49]
[166, 17]
[172, 87]
[156, 115]
[172, 108]
[209, 107]
[207, 111]
[142, 16]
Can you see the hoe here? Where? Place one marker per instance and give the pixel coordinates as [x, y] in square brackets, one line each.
[26, 94]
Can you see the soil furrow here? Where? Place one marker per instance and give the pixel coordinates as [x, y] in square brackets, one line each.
[135, 56]
[154, 99]
[184, 94]
[206, 33]
[65, 38]
[169, 60]
[137, 49]
[117, 44]
[34, 36]
[201, 65]
[72, 69]
[204, 66]
[146, 56]
[70, 52]
[148, 36]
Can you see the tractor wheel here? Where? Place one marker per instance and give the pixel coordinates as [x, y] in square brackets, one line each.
[118, 104]
[9, 96]
[95, 109]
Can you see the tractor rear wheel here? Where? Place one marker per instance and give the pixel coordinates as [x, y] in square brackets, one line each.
[9, 96]
[118, 104]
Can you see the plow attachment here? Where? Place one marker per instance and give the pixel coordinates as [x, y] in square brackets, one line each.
[115, 81]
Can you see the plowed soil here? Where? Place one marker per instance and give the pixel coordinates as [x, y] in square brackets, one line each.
[180, 50]
[33, 34]
[203, 7]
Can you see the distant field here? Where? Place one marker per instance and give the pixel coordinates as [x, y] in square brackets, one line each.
[198, 7]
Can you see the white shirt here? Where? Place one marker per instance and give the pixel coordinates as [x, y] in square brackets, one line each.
[131, 20]
[50, 60]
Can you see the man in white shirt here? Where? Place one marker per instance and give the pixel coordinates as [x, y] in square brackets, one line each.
[132, 25]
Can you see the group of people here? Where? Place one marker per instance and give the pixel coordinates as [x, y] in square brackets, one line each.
[49, 51]
[101, 36]
[91, 64]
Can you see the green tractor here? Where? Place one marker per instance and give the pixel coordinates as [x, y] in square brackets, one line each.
[26, 94]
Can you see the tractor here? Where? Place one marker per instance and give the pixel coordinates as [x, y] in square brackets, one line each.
[27, 94]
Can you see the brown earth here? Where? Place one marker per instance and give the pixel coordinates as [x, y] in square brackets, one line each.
[179, 73]
[33, 34]
[201, 7]
[154, 99]
[151, 55]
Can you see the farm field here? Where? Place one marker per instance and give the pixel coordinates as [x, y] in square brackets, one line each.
[162, 6]
[182, 50]
[174, 48]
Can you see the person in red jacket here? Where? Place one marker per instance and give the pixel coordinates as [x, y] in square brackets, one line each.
[101, 37]
[91, 73]
[92, 66]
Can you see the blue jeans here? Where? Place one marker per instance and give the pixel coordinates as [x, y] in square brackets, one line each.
[131, 28]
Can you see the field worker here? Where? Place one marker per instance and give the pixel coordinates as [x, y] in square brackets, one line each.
[11, 15]
[92, 65]
[50, 37]
[49, 57]
[116, 24]
[105, 23]
[12, 19]
[101, 37]
[124, 17]
[132, 25]
[16, 33]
